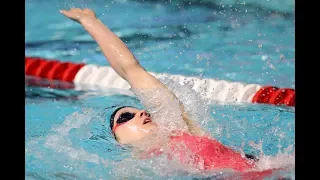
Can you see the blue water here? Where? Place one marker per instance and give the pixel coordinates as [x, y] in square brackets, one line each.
[66, 137]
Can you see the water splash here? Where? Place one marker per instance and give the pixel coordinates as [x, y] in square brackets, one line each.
[70, 152]
[282, 160]
[196, 106]
[164, 109]
[60, 142]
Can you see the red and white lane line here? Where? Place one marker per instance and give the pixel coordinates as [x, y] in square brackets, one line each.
[89, 77]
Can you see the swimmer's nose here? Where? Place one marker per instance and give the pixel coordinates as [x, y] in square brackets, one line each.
[143, 113]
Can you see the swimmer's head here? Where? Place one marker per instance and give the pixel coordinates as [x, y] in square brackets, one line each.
[129, 124]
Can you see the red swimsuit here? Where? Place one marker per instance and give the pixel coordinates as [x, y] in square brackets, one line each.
[204, 153]
[209, 153]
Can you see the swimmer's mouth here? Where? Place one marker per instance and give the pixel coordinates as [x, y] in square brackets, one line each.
[147, 120]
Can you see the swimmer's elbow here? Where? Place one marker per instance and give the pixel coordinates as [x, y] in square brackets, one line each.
[132, 65]
[130, 68]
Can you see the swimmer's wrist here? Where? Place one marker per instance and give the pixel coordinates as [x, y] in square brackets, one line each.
[88, 20]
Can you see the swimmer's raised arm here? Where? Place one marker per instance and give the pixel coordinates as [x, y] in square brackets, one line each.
[118, 55]
[116, 52]
[120, 58]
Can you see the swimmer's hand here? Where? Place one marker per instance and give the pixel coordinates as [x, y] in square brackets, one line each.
[79, 15]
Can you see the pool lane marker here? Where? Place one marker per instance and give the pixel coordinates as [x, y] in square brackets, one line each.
[91, 77]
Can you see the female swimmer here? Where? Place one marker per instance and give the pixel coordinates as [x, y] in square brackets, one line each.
[130, 125]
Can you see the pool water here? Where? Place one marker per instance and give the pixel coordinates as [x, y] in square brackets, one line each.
[66, 134]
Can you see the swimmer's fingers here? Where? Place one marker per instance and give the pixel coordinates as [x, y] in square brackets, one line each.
[72, 14]
[77, 14]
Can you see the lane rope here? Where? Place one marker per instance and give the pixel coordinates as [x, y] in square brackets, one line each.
[89, 77]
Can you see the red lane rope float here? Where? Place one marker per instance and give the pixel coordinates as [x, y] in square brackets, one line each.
[263, 95]
[278, 96]
[70, 72]
[275, 95]
[31, 65]
[51, 69]
[290, 99]
[42, 68]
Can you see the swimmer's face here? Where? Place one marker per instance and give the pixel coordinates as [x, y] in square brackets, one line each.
[131, 124]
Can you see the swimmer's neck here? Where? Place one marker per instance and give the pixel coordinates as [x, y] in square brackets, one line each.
[157, 139]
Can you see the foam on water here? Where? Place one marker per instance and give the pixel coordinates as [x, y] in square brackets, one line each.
[60, 142]
[282, 160]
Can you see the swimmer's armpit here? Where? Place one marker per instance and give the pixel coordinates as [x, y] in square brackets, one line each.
[252, 157]
[193, 127]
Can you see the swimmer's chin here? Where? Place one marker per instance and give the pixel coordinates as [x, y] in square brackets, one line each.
[148, 135]
[150, 126]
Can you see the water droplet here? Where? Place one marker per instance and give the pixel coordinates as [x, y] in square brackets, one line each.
[272, 66]
[264, 57]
